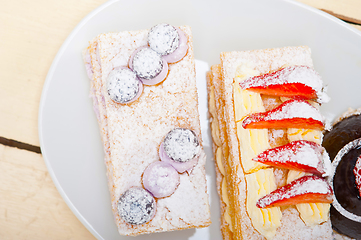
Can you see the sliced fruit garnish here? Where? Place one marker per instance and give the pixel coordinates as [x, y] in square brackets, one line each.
[307, 189]
[357, 173]
[291, 90]
[290, 114]
[293, 81]
[299, 155]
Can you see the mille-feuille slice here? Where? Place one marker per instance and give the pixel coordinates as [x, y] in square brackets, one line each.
[251, 180]
[145, 136]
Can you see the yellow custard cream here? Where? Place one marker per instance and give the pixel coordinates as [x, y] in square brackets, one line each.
[251, 143]
[246, 102]
[264, 220]
[295, 134]
[260, 179]
[219, 157]
[311, 213]
[225, 199]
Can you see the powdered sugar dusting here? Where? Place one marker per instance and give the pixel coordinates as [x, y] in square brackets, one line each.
[280, 176]
[136, 206]
[295, 109]
[123, 85]
[163, 38]
[181, 167]
[316, 185]
[88, 66]
[95, 104]
[161, 179]
[181, 50]
[327, 164]
[301, 186]
[292, 74]
[133, 133]
[350, 112]
[264, 61]
[304, 153]
[147, 63]
[294, 228]
[292, 109]
[181, 145]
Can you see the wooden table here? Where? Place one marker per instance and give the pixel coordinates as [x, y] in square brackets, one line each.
[31, 33]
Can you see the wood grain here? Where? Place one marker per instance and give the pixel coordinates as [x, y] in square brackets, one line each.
[349, 10]
[31, 34]
[30, 205]
[346, 10]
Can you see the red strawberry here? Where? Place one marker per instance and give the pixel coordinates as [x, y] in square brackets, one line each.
[291, 90]
[294, 82]
[299, 155]
[290, 114]
[357, 173]
[307, 189]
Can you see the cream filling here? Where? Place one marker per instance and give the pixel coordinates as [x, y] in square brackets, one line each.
[311, 213]
[227, 216]
[264, 220]
[219, 158]
[261, 181]
[295, 134]
[215, 132]
[251, 143]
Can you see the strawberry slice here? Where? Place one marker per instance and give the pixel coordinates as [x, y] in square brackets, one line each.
[299, 155]
[290, 114]
[307, 189]
[291, 90]
[357, 173]
[293, 81]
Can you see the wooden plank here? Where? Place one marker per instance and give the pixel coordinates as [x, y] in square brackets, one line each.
[30, 205]
[349, 10]
[31, 34]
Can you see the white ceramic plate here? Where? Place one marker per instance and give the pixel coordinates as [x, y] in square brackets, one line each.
[68, 131]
